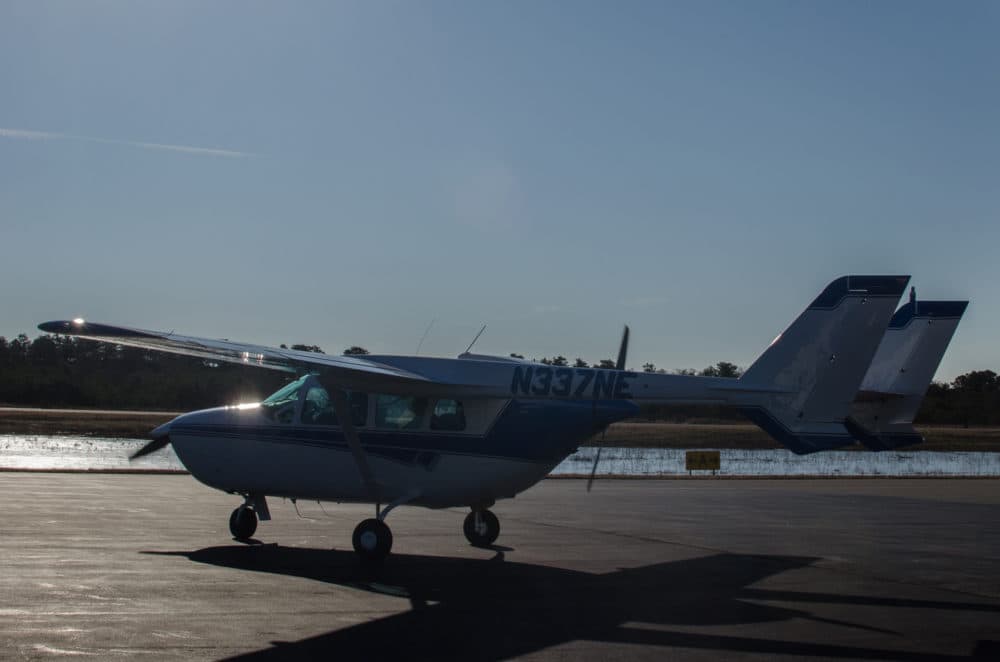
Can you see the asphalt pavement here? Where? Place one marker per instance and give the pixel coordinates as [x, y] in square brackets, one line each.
[143, 567]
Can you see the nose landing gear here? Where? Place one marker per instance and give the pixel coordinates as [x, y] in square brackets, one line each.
[481, 528]
[243, 522]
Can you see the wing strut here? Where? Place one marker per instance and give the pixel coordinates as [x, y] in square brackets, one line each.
[343, 409]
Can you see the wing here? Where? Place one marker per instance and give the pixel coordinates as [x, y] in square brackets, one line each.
[349, 371]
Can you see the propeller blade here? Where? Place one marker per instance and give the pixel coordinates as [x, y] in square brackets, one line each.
[151, 447]
[622, 350]
[593, 469]
[342, 408]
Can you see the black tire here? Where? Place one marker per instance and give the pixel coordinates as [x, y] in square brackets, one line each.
[243, 523]
[488, 532]
[372, 540]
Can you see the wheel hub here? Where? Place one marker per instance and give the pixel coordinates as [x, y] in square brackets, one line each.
[368, 540]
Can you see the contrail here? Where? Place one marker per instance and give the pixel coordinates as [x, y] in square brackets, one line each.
[25, 134]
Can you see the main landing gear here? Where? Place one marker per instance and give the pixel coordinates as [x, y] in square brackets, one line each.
[481, 528]
[372, 540]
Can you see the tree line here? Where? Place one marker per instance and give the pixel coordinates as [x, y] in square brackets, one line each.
[61, 371]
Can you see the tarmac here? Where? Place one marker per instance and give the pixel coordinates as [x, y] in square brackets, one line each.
[142, 567]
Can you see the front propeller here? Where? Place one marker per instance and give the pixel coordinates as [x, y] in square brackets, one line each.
[153, 446]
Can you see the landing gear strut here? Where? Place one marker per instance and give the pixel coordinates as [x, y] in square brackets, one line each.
[243, 522]
[481, 528]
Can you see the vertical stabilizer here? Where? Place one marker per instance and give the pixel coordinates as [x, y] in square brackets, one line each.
[903, 367]
[814, 368]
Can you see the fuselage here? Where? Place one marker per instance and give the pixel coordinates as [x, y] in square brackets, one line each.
[436, 451]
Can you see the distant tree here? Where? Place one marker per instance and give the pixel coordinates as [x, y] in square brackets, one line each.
[560, 361]
[283, 346]
[686, 372]
[515, 355]
[606, 364]
[354, 350]
[977, 381]
[19, 347]
[727, 369]
[938, 389]
[44, 351]
[580, 363]
[648, 367]
[309, 348]
[545, 360]
[721, 369]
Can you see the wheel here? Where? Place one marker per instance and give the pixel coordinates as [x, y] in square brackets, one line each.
[243, 523]
[481, 528]
[372, 540]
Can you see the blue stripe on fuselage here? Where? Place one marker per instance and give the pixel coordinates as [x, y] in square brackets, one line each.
[529, 430]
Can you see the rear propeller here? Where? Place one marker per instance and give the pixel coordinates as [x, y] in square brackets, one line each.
[593, 469]
[619, 365]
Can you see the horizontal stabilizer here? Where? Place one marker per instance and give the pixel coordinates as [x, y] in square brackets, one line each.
[886, 439]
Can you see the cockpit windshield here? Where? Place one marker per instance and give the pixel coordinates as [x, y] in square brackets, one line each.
[286, 394]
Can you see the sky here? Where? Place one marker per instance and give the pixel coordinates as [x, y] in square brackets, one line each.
[348, 173]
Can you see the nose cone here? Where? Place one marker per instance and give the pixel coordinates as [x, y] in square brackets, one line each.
[162, 430]
[214, 416]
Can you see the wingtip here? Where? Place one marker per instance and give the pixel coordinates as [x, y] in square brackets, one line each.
[53, 327]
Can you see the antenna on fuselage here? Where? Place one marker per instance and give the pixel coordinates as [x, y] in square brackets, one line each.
[424, 337]
[474, 340]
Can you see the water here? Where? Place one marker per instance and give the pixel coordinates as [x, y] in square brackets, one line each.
[98, 453]
[50, 452]
[670, 462]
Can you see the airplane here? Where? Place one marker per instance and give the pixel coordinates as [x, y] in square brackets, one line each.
[465, 432]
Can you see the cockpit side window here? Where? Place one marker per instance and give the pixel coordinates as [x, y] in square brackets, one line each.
[318, 409]
[399, 412]
[448, 415]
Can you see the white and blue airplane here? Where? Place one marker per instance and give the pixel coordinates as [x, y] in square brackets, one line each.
[440, 432]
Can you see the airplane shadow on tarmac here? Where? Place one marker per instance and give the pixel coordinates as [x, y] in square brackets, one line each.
[490, 610]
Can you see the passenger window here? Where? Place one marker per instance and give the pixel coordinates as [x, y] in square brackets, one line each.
[397, 412]
[448, 415]
[317, 409]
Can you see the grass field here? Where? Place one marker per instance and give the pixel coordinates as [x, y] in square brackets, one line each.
[629, 433]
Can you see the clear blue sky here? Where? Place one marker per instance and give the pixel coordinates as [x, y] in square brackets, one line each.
[553, 169]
